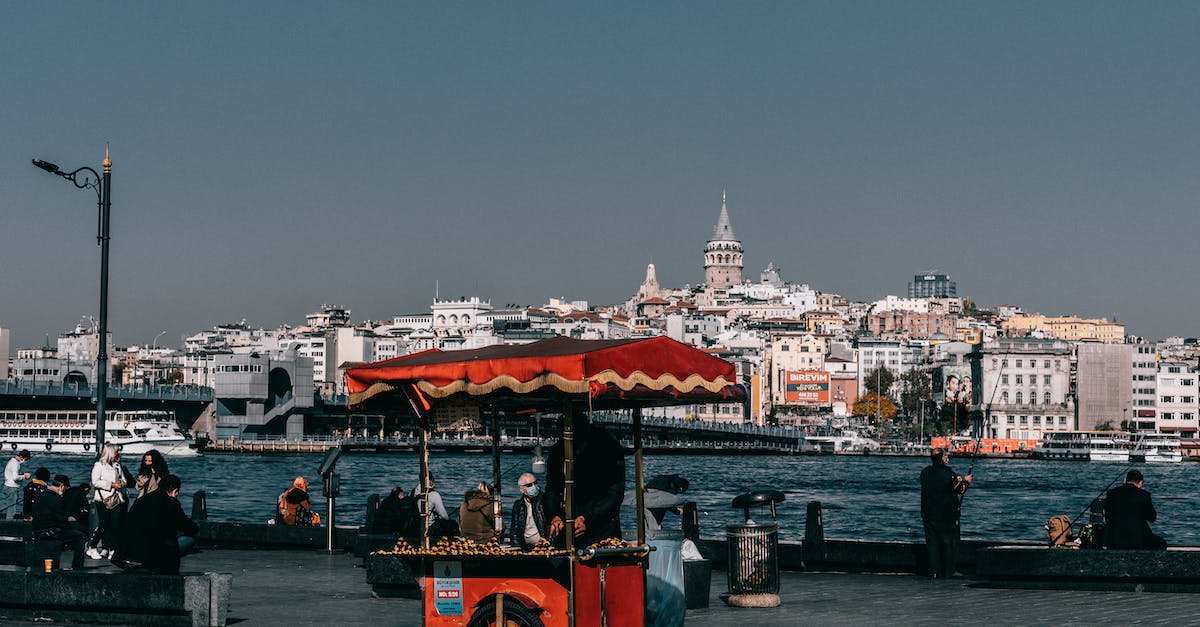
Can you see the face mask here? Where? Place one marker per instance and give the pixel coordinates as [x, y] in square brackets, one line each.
[532, 491]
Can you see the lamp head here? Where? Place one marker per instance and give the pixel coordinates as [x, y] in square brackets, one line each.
[47, 166]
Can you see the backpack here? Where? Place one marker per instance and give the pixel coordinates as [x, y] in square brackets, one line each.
[1058, 531]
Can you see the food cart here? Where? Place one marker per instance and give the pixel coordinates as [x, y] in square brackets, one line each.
[584, 586]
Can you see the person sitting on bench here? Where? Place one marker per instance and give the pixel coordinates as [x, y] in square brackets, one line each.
[50, 522]
[1128, 512]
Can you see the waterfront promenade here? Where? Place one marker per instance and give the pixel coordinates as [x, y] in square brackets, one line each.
[299, 587]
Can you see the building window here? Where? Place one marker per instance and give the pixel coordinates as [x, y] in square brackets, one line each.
[1018, 363]
[1168, 416]
[1004, 397]
[1020, 397]
[1004, 379]
[1011, 420]
[1168, 399]
[1037, 421]
[1046, 364]
[1004, 363]
[1045, 379]
[1187, 382]
[785, 348]
[1020, 380]
[1046, 398]
[1024, 420]
[1186, 399]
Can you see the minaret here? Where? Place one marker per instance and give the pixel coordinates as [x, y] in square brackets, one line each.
[723, 253]
[650, 287]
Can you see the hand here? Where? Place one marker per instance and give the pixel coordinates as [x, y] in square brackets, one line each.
[117, 485]
[580, 526]
[556, 526]
[967, 479]
[27, 475]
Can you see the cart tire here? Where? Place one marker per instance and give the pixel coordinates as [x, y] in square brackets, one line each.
[515, 615]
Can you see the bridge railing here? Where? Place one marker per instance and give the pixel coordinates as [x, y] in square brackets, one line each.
[77, 389]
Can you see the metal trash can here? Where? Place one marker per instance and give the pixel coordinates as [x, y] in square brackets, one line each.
[753, 550]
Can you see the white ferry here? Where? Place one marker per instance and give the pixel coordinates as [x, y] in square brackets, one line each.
[73, 432]
[1157, 448]
[1097, 446]
[843, 441]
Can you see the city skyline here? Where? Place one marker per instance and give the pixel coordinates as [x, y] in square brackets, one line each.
[272, 157]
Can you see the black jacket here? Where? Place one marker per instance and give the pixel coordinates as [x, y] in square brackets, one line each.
[48, 513]
[519, 514]
[149, 535]
[1128, 513]
[396, 516]
[939, 499]
[75, 503]
[599, 484]
[29, 494]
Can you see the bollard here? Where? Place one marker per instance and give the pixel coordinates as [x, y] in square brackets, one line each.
[814, 533]
[372, 509]
[199, 506]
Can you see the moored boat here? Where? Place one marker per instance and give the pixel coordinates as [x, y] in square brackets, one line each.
[1157, 448]
[1097, 446]
[73, 432]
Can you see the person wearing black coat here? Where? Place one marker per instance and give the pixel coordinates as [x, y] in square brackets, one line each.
[1128, 512]
[50, 522]
[940, 490]
[599, 485]
[397, 515]
[156, 531]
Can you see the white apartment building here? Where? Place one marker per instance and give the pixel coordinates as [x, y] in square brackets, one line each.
[1144, 395]
[1178, 407]
[695, 330]
[1030, 379]
[896, 303]
[792, 353]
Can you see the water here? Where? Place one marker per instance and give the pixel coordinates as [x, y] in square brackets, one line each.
[875, 498]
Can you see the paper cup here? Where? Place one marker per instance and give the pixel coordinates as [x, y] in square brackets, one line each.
[49, 564]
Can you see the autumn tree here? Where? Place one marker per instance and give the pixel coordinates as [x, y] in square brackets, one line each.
[872, 405]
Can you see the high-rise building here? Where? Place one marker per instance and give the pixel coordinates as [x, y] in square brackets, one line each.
[932, 285]
[1103, 373]
[723, 253]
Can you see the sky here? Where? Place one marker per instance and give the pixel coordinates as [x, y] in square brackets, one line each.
[269, 157]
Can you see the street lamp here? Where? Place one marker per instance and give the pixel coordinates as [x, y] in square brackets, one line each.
[87, 178]
[155, 344]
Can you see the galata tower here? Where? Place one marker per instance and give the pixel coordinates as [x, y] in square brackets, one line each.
[723, 253]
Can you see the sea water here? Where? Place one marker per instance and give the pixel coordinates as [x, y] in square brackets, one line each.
[863, 497]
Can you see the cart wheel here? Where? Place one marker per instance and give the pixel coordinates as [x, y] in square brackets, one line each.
[515, 615]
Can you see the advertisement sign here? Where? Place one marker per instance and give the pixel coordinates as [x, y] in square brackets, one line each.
[806, 387]
[956, 387]
[448, 588]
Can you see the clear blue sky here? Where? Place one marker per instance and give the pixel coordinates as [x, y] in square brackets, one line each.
[273, 156]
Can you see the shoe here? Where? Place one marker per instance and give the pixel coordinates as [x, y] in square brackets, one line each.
[108, 554]
[95, 554]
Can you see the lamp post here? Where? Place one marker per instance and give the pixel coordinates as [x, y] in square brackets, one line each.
[87, 178]
[155, 344]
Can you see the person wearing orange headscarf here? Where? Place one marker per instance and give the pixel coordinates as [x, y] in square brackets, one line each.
[294, 508]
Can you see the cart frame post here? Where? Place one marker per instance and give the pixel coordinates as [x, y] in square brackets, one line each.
[423, 505]
[499, 522]
[568, 439]
[639, 476]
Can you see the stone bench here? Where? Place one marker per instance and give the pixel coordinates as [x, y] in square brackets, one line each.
[123, 598]
[1173, 570]
[389, 576]
[259, 535]
[25, 551]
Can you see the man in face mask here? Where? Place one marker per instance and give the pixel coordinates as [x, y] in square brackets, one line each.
[528, 515]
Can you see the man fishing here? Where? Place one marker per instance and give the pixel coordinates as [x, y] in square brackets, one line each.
[940, 509]
[1128, 512]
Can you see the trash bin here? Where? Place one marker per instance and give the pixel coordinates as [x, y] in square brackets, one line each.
[753, 549]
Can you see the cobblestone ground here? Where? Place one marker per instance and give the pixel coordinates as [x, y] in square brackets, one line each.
[312, 588]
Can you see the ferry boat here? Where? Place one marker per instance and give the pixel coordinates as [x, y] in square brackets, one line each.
[1157, 448]
[73, 432]
[842, 441]
[1097, 446]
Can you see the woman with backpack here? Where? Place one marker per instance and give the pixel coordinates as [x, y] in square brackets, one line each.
[294, 508]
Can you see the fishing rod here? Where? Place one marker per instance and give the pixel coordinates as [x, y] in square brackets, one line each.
[1088, 507]
[979, 436]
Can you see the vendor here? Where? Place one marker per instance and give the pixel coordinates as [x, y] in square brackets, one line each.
[599, 485]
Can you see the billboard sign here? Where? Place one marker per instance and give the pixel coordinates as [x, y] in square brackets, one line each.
[806, 387]
[956, 386]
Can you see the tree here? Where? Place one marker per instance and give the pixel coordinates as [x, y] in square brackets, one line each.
[872, 405]
[879, 381]
[917, 387]
[1107, 425]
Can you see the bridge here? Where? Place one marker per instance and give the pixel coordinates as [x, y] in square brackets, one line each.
[187, 401]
